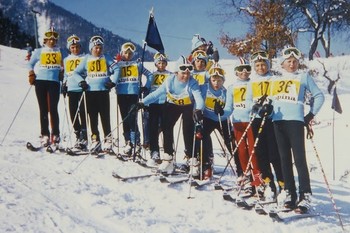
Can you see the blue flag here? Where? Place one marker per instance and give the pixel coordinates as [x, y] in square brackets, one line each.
[336, 103]
[153, 39]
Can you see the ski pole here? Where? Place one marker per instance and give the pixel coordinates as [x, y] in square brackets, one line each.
[253, 151]
[309, 128]
[260, 101]
[192, 160]
[238, 143]
[223, 149]
[75, 115]
[14, 118]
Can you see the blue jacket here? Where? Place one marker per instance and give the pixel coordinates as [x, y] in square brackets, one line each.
[288, 92]
[127, 77]
[47, 63]
[177, 93]
[211, 96]
[70, 64]
[96, 70]
[237, 101]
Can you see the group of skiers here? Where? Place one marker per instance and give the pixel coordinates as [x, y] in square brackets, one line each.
[260, 116]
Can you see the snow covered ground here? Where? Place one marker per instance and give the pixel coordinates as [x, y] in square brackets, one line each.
[38, 195]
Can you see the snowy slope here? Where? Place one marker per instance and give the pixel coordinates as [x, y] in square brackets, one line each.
[38, 195]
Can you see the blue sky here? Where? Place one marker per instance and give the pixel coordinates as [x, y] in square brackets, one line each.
[177, 21]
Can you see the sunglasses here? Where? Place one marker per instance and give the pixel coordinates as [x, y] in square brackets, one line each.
[291, 51]
[51, 34]
[217, 71]
[258, 56]
[183, 68]
[73, 39]
[242, 68]
[129, 46]
[160, 56]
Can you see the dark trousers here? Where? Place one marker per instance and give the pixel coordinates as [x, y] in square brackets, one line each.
[98, 104]
[267, 150]
[48, 95]
[156, 112]
[129, 120]
[290, 137]
[172, 113]
[208, 127]
[77, 112]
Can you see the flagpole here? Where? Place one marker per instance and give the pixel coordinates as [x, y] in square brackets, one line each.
[333, 145]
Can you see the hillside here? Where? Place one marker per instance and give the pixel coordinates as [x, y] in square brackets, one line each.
[66, 23]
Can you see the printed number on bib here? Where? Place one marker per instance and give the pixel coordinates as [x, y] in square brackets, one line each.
[260, 89]
[286, 90]
[239, 96]
[51, 60]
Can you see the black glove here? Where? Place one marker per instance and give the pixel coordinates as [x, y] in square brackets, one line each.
[197, 116]
[256, 108]
[308, 118]
[210, 49]
[144, 91]
[84, 85]
[109, 85]
[216, 56]
[64, 89]
[266, 110]
[218, 109]
[135, 107]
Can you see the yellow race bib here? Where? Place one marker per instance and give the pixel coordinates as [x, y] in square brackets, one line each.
[51, 59]
[286, 90]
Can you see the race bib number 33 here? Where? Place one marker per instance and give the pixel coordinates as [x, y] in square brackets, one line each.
[51, 59]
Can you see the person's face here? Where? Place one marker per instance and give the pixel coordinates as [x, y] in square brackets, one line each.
[127, 55]
[291, 64]
[244, 75]
[199, 64]
[260, 67]
[161, 65]
[75, 49]
[183, 76]
[50, 42]
[216, 82]
[96, 50]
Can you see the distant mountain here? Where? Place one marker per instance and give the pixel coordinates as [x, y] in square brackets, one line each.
[65, 22]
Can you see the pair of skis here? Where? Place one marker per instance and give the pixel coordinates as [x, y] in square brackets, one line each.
[269, 208]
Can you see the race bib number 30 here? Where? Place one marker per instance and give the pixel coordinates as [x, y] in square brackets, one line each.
[286, 90]
[97, 68]
[51, 59]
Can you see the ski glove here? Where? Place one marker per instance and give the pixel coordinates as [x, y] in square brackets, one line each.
[266, 110]
[197, 116]
[218, 109]
[109, 85]
[31, 77]
[256, 108]
[135, 107]
[64, 89]
[308, 118]
[84, 85]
